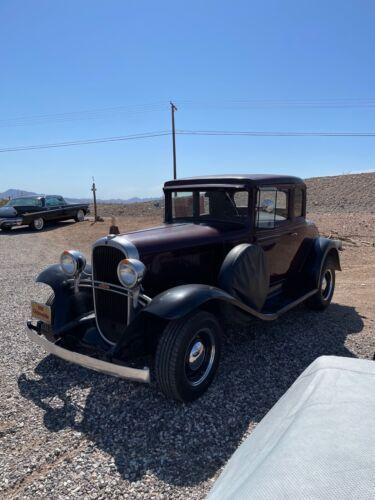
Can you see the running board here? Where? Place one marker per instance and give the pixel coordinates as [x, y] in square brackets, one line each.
[271, 316]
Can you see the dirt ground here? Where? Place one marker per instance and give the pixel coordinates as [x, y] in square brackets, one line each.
[66, 432]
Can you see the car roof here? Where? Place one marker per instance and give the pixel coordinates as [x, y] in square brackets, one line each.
[231, 180]
[27, 196]
[37, 196]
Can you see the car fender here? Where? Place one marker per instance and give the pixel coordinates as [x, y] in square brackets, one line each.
[322, 248]
[179, 301]
[68, 303]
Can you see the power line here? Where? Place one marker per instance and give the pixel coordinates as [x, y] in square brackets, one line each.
[236, 104]
[83, 114]
[281, 103]
[146, 135]
[274, 134]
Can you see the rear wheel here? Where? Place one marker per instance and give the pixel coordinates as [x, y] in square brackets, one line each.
[188, 355]
[80, 216]
[322, 299]
[6, 229]
[37, 224]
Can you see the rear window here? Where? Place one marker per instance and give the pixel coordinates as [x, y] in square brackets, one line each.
[54, 201]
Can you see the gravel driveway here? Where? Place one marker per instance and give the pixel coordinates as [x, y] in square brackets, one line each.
[68, 432]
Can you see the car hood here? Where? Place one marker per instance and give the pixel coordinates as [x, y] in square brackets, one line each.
[7, 212]
[169, 237]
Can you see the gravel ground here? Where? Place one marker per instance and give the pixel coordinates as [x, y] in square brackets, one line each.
[68, 432]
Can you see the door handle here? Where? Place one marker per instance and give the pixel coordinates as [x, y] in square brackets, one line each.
[293, 234]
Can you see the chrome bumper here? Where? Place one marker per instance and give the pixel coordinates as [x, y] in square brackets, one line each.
[138, 375]
[10, 221]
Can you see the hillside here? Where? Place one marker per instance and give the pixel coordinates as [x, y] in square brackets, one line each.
[339, 194]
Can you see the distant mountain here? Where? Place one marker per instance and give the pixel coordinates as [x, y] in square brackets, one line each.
[111, 201]
[14, 193]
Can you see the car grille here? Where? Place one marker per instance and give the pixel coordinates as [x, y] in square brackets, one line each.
[110, 308]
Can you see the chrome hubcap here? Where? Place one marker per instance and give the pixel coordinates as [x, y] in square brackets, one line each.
[327, 284]
[38, 223]
[196, 356]
[200, 357]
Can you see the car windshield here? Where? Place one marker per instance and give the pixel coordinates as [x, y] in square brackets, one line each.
[214, 204]
[25, 202]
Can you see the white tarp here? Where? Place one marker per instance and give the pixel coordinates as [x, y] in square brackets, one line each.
[317, 442]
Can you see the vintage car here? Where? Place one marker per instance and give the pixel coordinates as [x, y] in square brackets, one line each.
[35, 211]
[231, 248]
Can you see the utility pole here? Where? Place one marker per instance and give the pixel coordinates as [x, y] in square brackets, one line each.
[173, 109]
[93, 189]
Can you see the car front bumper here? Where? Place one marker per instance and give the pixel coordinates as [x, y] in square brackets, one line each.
[126, 372]
[10, 222]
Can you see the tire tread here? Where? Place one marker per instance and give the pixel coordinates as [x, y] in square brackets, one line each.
[167, 353]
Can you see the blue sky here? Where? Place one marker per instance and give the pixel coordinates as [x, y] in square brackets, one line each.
[66, 56]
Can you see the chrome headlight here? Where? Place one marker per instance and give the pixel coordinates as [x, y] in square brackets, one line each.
[72, 262]
[130, 272]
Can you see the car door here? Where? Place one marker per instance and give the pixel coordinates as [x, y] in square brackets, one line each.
[276, 230]
[302, 232]
[65, 212]
[54, 208]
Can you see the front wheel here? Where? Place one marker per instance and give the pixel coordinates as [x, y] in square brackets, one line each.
[188, 355]
[322, 299]
[37, 224]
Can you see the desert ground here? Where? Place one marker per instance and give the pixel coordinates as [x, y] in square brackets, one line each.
[69, 432]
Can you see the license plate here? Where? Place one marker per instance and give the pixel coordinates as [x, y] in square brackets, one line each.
[41, 312]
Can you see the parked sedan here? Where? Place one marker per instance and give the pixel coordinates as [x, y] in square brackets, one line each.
[35, 211]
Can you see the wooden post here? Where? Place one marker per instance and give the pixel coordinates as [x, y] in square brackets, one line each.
[93, 189]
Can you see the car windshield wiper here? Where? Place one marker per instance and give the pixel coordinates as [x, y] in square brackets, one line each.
[232, 203]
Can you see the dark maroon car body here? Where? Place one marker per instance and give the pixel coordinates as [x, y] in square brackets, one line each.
[234, 245]
[185, 252]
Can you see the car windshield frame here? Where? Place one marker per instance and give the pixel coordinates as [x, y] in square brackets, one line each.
[25, 202]
[243, 220]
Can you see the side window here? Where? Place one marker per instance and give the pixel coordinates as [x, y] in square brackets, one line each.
[299, 195]
[272, 207]
[53, 201]
[281, 205]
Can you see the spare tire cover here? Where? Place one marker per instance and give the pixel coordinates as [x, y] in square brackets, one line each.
[244, 274]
